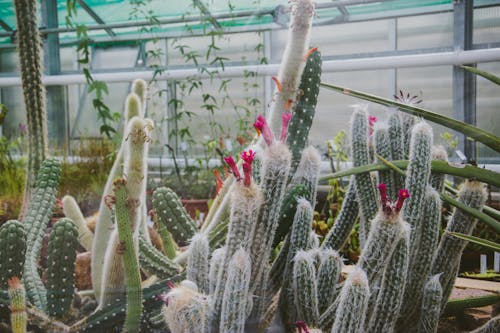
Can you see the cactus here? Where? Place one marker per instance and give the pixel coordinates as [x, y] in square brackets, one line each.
[73, 212]
[389, 297]
[12, 251]
[197, 263]
[301, 122]
[216, 263]
[61, 267]
[293, 61]
[383, 148]
[18, 315]
[438, 153]
[39, 212]
[126, 215]
[421, 260]
[386, 230]
[30, 60]
[140, 88]
[491, 326]
[396, 140]
[472, 194]
[287, 211]
[305, 289]
[431, 306]
[328, 276]
[345, 220]
[360, 156]
[154, 262]
[235, 303]
[307, 172]
[353, 303]
[172, 215]
[187, 310]
[105, 220]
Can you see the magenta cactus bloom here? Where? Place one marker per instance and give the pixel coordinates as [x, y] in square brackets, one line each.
[301, 326]
[262, 128]
[232, 165]
[247, 156]
[285, 121]
[388, 206]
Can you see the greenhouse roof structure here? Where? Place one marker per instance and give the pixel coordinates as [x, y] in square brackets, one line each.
[120, 20]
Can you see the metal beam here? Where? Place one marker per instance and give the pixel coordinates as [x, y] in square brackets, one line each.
[96, 17]
[464, 82]
[204, 10]
[5, 26]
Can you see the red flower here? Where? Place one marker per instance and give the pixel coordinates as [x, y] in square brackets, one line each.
[285, 121]
[248, 155]
[232, 164]
[262, 127]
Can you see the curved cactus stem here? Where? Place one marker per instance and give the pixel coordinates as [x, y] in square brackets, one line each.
[12, 251]
[72, 211]
[154, 262]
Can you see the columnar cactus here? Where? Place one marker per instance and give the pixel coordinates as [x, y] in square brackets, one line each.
[172, 215]
[397, 144]
[329, 271]
[383, 148]
[140, 88]
[72, 211]
[292, 66]
[30, 60]
[18, 315]
[126, 207]
[353, 303]
[39, 212]
[386, 230]
[390, 295]
[305, 288]
[438, 153]
[491, 326]
[301, 122]
[216, 264]
[154, 262]
[365, 191]
[431, 306]
[197, 263]
[472, 194]
[105, 220]
[235, 303]
[63, 244]
[307, 172]
[12, 251]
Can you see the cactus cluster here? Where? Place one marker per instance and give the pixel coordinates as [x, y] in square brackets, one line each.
[223, 277]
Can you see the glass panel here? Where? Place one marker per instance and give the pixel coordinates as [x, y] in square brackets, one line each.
[486, 25]
[425, 31]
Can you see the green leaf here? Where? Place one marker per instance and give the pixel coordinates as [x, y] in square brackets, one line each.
[480, 241]
[459, 305]
[486, 75]
[473, 132]
[465, 171]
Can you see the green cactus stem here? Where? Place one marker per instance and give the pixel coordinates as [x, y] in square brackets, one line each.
[18, 315]
[329, 270]
[307, 172]
[450, 248]
[353, 303]
[126, 208]
[339, 233]
[287, 211]
[63, 245]
[235, 303]
[420, 267]
[169, 245]
[438, 153]
[292, 66]
[105, 219]
[154, 262]
[30, 61]
[386, 230]
[431, 306]
[301, 122]
[367, 197]
[305, 288]
[172, 215]
[396, 141]
[38, 215]
[382, 147]
[12, 251]
[187, 310]
[389, 297]
[72, 211]
[197, 263]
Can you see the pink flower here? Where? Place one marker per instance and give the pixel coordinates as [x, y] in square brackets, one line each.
[402, 196]
[262, 127]
[388, 206]
[248, 155]
[285, 121]
[386, 203]
[232, 164]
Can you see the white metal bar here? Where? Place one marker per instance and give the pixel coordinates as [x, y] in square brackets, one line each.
[413, 60]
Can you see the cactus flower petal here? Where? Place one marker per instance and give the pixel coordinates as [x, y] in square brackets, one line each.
[232, 164]
[262, 127]
[285, 121]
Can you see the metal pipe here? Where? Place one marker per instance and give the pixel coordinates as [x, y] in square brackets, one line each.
[368, 63]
